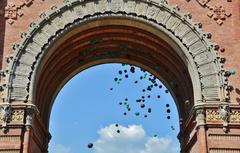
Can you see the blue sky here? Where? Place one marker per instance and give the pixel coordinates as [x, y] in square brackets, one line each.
[86, 111]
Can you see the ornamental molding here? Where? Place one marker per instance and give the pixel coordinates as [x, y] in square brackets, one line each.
[216, 12]
[18, 78]
[214, 116]
[15, 116]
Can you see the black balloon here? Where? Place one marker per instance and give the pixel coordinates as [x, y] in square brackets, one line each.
[90, 145]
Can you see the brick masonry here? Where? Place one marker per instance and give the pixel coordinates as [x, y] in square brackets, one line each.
[219, 17]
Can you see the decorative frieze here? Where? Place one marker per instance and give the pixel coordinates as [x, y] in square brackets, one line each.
[15, 116]
[213, 115]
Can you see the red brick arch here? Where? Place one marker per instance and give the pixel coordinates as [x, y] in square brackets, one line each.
[80, 34]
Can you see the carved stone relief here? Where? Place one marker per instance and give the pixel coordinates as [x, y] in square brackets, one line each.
[13, 10]
[214, 116]
[216, 12]
[14, 116]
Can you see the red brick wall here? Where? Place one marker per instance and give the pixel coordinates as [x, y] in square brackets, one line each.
[226, 35]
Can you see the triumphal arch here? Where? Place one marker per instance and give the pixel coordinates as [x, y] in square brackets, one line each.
[43, 43]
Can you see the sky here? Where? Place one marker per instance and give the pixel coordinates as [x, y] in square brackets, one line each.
[90, 109]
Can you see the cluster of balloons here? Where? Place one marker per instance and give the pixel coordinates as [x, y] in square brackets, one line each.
[153, 84]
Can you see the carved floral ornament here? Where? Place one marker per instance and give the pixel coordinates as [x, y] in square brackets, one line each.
[214, 116]
[216, 12]
[210, 80]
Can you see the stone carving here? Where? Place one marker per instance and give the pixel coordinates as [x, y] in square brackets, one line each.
[11, 115]
[17, 116]
[224, 112]
[13, 10]
[200, 117]
[212, 116]
[217, 12]
[5, 114]
[59, 20]
[29, 116]
[235, 116]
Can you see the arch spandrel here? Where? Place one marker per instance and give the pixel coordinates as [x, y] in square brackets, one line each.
[195, 46]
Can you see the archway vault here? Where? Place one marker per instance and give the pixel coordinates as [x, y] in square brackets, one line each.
[153, 35]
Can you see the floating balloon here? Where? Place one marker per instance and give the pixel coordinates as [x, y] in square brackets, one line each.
[145, 116]
[115, 79]
[142, 105]
[168, 117]
[166, 91]
[149, 110]
[120, 72]
[138, 100]
[116, 125]
[90, 145]
[149, 88]
[149, 96]
[126, 76]
[124, 113]
[167, 105]
[168, 110]
[158, 96]
[137, 113]
[111, 88]
[118, 131]
[132, 69]
[120, 103]
[136, 82]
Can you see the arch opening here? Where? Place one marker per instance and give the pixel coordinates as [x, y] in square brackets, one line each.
[91, 107]
[107, 44]
[81, 34]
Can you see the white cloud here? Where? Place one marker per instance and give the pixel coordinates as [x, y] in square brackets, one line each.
[61, 149]
[131, 139]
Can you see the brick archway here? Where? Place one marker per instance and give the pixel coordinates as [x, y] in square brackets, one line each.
[155, 36]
